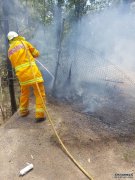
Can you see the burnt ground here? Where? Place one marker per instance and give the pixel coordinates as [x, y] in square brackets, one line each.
[100, 148]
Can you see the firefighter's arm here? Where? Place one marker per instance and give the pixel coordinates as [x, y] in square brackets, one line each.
[35, 53]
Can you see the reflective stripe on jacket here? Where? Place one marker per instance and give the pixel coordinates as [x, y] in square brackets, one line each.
[21, 54]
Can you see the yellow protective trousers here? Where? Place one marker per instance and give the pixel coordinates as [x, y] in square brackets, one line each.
[24, 99]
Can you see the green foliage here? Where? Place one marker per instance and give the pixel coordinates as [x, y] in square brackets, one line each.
[41, 10]
[44, 10]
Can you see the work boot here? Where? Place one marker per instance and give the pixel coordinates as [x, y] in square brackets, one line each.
[22, 114]
[38, 120]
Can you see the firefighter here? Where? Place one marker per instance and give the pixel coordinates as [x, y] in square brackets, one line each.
[22, 55]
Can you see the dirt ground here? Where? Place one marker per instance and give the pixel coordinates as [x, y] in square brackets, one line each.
[101, 152]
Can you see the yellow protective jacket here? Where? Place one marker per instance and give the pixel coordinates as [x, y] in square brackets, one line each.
[22, 56]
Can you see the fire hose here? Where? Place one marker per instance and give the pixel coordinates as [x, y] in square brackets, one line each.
[53, 127]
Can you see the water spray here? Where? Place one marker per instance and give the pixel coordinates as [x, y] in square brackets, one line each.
[46, 69]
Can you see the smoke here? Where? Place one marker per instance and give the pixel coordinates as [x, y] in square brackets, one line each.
[97, 71]
[111, 33]
[26, 19]
[96, 59]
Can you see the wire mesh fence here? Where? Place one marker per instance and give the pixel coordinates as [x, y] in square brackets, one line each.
[98, 87]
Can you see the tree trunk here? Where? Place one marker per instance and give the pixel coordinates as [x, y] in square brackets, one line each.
[9, 67]
[59, 32]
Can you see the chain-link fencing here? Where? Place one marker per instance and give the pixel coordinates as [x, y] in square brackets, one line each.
[97, 87]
